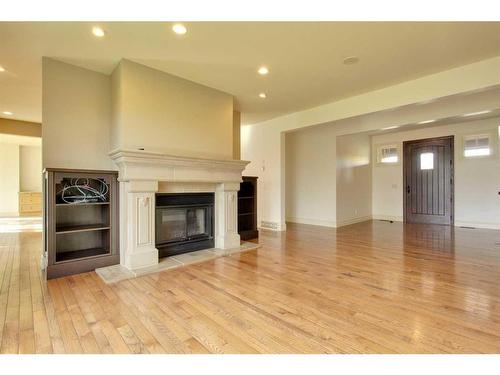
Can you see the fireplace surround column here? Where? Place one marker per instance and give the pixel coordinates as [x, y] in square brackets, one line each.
[138, 224]
[226, 216]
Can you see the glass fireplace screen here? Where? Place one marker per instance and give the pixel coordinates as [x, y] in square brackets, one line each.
[181, 224]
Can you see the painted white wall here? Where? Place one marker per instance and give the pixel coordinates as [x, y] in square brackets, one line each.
[9, 177]
[263, 144]
[354, 179]
[76, 115]
[477, 180]
[310, 176]
[30, 168]
[264, 149]
[327, 177]
[161, 112]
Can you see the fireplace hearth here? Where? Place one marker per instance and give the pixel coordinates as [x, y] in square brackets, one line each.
[184, 222]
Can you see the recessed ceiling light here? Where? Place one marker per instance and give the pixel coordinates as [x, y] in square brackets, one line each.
[98, 32]
[179, 28]
[262, 95]
[8, 113]
[351, 60]
[263, 70]
[425, 122]
[2, 69]
[476, 113]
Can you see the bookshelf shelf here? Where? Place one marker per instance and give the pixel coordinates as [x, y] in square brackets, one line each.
[82, 204]
[80, 228]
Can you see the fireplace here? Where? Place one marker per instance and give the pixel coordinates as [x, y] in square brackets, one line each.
[184, 222]
[145, 176]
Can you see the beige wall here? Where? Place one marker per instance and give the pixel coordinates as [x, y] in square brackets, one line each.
[20, 170]
[236, 135]
[310, 176]
[116, 108]
[354, 179]
[22, 128]
[477, 180]
[87, 114]
[161, 112]
[30, 168]
[76, 115]
[9, 177]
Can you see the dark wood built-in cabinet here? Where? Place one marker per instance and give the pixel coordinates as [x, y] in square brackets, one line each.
[247, 208]
[80, 220]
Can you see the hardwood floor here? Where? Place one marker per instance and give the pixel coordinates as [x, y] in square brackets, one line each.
[372, 287]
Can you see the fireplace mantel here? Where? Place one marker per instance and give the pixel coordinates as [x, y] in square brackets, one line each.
[139, 175]
[147, 165]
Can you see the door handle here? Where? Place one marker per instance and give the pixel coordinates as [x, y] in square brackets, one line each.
[408, 190]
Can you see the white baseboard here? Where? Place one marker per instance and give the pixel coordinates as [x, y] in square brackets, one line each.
[473, 224]
[327, 223]
[355, 220]
[322, 223]
[388, 217]
[477, 225]
[272, 225]
[278, 227]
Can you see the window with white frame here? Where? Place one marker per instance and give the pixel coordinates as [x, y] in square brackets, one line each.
[388, 154]
[477, 145]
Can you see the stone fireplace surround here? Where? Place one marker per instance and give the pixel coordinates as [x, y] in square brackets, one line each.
[143, 173]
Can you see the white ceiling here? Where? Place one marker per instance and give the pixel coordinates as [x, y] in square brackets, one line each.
[305, 59]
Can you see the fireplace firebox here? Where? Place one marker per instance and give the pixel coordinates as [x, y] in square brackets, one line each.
[184, 222]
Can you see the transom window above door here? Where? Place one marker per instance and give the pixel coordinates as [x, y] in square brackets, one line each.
[388, 154]
[477, 145]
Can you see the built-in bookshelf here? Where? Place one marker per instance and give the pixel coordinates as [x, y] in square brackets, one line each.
[81, 220]
[247, 208]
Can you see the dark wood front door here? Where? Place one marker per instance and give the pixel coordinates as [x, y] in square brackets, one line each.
[428, 181]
